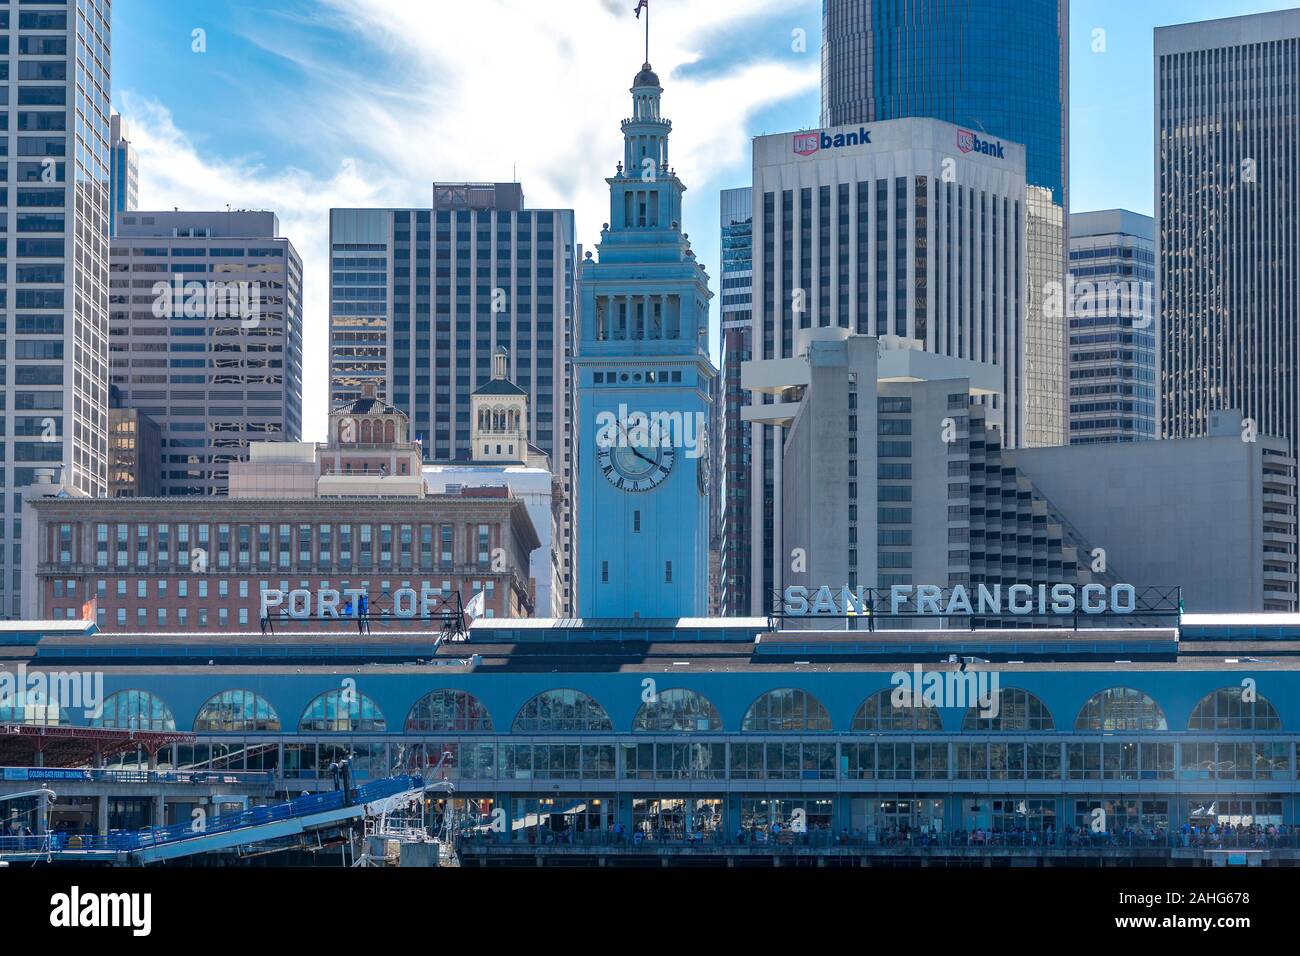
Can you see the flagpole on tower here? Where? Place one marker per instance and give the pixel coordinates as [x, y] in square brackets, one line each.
[644, 5]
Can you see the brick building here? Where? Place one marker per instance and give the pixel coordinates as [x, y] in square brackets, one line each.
[354, 513]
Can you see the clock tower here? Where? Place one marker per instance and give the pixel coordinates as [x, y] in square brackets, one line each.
[644, 380]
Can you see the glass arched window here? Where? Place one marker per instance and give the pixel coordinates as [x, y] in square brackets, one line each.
[563, 712]
[234, 711]
[677, 711]
[786, 711]
[135, 710]
[1227, 709]
[33, 714]
[341, 711]
[448, 710]
[1017, 710]
[878, 714]
[1121, 708]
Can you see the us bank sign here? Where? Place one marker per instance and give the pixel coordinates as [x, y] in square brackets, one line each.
[958, 601]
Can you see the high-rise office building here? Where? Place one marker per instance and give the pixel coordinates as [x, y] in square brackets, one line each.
[645, 390]
[1045, 356]
[1110, 310]
[134, 452]
[999, 68]
[54, 290]
[1228, 261]
[736, 303]
[125, 167]
[206, 337]
[853, 229]
[421, 300]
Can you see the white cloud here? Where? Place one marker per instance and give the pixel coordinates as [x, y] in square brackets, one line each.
[474, 91]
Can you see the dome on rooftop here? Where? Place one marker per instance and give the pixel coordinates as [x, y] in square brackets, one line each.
[647, 77]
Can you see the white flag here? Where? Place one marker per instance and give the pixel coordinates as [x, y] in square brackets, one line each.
[477, 605]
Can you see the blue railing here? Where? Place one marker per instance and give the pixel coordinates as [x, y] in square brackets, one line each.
[1237, 839]
[127, 841]
[251, 777]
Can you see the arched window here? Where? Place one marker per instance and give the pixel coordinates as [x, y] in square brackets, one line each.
[341, 711]
[1016, 710]
[786, 711]
[677, 711]
[448, 710]
[877, 714]
[390, 432]
[1227, 709]
[234, 711]
[366, 433]
[563, 712]
[33, 714]
[1121, 708]
[135, 710]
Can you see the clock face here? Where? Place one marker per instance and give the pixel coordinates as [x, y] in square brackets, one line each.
[632, 467]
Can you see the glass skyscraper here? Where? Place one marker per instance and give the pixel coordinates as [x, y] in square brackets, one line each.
[999, 67]
[54, 72]
[126, 172]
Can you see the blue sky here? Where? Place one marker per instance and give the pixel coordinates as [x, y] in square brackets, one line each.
[302, 105]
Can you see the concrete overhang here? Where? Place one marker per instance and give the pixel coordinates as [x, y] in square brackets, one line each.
[782, 413]
[915, 365]
[773, 376]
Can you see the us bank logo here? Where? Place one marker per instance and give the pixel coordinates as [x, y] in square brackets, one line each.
[805, 144]
[968, 142]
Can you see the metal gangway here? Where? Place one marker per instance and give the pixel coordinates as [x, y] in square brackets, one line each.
[257, 825]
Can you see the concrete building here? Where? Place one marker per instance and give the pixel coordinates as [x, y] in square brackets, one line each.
[736, 303]
[1110, 307]
[206, 337]
[909, 228]
[1215, 514]
[1046, 420]
[421, 300]
[1228, 265]
[504, 458]
[54, 326]
[892, 476]
[904, 483]
[125, 165]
